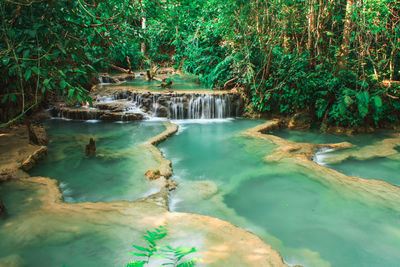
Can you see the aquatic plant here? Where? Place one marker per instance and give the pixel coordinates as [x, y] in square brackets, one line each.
[175, 256]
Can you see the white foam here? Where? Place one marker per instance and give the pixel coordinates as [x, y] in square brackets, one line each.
[66, 192]
[150, 118]
[173, 203]
[105, 99]
[93, 121]
[152, 191]
[322, 154]
[202, 121]
[60, 118]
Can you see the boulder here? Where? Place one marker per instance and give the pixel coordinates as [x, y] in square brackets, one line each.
[147, 102]
[107, 79]
[162, 111]
[163, 100]
[300, 121]
[153, 174]
[91, 147]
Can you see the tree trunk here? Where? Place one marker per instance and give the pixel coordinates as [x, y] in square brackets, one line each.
[345, 48]
[311, 29]
[129, 64]
[120, 69]
[392, 65]
[395, 13]
[143, 45]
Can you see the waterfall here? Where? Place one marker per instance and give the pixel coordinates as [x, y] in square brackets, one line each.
[178, 106]
[209, 106]
[154, 106]
[137, 99]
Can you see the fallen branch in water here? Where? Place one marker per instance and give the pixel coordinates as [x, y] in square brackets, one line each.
[120, 69]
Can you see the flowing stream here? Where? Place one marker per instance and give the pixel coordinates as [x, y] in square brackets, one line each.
[220, 173]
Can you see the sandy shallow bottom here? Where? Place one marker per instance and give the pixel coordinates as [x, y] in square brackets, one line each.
[43, 230]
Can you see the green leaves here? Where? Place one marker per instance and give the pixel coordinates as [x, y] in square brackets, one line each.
[378, 102]
[63, 85]
[28, 73]
[363, 103]
[175, 256]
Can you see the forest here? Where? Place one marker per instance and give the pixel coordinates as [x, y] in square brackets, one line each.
[199, 132]
[339, 60]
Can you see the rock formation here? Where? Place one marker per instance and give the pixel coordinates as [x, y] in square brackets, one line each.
[171, 185]
[153, 174]
[300, 121]
[91, 147]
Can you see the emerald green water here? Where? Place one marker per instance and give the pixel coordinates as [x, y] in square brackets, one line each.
[117, 170]
[315, 137]
[47, 239]
[376, 168]
[179, 83]
[222, 174]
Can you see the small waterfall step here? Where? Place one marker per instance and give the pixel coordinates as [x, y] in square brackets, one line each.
[186, 105]
[136, 105]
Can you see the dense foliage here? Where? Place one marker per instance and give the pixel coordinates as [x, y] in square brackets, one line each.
[57, 46]
[337, 60]
[334, 59]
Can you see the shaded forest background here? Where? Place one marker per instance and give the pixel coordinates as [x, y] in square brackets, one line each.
[337, 60]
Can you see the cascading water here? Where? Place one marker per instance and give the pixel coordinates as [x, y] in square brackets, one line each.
[178, 106]
[209, 107]
[194, 106]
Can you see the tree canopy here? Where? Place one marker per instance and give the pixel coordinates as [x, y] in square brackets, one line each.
[338, 60]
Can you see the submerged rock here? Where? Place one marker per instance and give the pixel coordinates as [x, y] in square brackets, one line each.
[2, 209]
[12, 261]
[205, 189]
[91, 147]
[153, 174]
